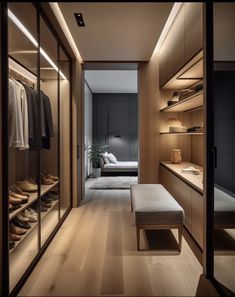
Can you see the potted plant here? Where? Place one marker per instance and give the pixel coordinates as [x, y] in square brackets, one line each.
[95, 150]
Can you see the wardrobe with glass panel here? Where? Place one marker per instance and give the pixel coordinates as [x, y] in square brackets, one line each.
[39, 138]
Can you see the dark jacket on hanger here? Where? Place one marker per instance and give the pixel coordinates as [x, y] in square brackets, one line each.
[48, 122]
[33, 117]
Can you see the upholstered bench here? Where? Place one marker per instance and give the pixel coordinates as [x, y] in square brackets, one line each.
[154, 208]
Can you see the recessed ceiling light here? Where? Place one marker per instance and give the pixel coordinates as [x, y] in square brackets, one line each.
[79, 19]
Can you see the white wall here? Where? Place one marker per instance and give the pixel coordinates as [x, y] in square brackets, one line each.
[87, 126]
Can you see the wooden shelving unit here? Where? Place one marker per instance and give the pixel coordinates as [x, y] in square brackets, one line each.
[34, 225]
[33, 197]
[188, 104]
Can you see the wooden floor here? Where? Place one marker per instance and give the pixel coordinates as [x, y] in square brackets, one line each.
[94, 253]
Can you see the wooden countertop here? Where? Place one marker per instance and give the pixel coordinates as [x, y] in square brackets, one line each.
[195, 181]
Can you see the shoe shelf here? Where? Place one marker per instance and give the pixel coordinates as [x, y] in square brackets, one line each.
[34, 225]
[32, 198]
[182, 133]
[188, 104]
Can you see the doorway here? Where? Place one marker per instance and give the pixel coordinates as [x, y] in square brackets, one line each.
[110, 128]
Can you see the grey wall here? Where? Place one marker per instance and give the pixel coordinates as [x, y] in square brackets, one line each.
[87, 127]
[224, 113]
[117, 112]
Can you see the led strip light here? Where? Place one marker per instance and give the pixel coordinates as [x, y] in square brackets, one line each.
[26, 32]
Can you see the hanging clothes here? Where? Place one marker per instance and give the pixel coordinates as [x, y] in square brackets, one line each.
[48, 121]
[32, 117]
[21, 94]
[16, 136]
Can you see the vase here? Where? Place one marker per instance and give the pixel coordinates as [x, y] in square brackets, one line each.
[176, 156]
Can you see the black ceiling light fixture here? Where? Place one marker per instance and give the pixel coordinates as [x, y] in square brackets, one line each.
[79, 19]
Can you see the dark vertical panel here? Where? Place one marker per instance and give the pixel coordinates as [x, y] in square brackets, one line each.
[4, 119]
[117, 113]
[208, 74]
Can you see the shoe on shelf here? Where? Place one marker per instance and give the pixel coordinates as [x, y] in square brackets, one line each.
[53, 196]
[26, 214]
[46, 180]
[17, 230]
[46, 199]
[11, 244]
[22, 218]
[27, 186]
[17, 190]
[46, 205]
[21, 224]
[24, 198]
[14, 201]
[32, 211]
[50, 176]
[13, 207]
[32, 181]
[14, 237]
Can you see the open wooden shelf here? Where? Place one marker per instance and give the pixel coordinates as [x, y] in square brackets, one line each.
[34, 225]
[182, 133]
[188, 104]
[32, 198]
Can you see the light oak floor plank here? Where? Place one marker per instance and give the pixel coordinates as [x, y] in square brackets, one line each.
[94, 254]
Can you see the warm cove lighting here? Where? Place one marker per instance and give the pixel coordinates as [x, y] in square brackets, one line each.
[169, 22]
[30, 37]
[22, 71]
[56, 9]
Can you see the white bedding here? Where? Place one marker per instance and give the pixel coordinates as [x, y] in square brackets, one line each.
[122, 165]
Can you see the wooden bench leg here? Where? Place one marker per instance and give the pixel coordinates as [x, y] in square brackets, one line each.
[180, 233]
[138, 238]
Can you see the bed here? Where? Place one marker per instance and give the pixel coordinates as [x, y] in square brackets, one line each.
[120, 166]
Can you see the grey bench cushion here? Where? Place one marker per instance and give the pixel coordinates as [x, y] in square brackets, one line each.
[153, 205]
[224, 209]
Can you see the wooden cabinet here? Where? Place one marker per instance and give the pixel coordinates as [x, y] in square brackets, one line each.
[166, 61]
[193, 29]
[190, 200]
[197, 217]
[178, 47]
[182, 42]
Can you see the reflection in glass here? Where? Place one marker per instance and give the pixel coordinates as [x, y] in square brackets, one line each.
[224, 123]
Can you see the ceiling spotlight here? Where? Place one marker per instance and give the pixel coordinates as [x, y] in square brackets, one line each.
[79, 19]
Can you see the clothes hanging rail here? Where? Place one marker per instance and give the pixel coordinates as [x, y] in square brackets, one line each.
[22, 71]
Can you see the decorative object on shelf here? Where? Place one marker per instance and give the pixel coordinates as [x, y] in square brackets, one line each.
[176, 157]
[191, 169]
[172, 122]
[176, 129]
[196, 128]
[174, 99]
[95, 150]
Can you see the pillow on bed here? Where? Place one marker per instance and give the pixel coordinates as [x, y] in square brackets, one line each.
[105, 157]
[112, 158]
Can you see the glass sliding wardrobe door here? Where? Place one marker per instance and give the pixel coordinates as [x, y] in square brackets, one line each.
[23, 138]
[221, 147]
[65, 136]
[49, 92]
[39, 137]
